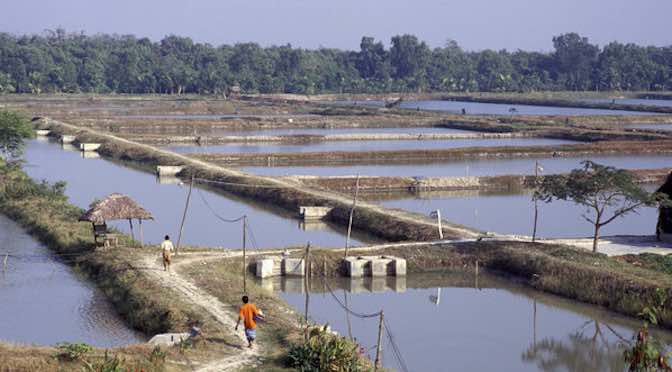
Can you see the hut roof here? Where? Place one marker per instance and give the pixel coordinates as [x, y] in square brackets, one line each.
[115, 207]
[666, 188]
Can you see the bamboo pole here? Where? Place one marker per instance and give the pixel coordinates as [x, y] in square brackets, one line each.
[184, 216]
[244, 254]
[438, 221]
[536, 207]
[379, 348]
[306, 277]
[142, 237]
[352, 212]
[130, 222]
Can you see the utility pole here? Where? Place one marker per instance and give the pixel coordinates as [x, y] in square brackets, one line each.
[184, 216]
[244, 254]
[536, 208]
[352, 212]
[306, 288]
[379, 348]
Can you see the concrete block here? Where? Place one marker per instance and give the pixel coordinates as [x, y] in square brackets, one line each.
[42, 132]
[264, 268]
[89, 146]
[397, 267]
[308, 213]
[168, 339]
[168, 170]
[355, 267]
[379, 267]
[293, 267]
[68, 138]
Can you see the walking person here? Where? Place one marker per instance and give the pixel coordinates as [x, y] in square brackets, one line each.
[167, 252]
[249, 314]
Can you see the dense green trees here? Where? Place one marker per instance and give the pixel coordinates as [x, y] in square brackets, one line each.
[61, 62]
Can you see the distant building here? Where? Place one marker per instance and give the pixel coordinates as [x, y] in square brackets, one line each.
[664, 226]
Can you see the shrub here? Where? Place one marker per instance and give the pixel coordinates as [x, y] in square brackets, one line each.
[72, 352]
[325, 351]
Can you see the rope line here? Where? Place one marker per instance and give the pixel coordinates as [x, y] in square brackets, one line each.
[395, 348]
[204, 180]
[227, 220]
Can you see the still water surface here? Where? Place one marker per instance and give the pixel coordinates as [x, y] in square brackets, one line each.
[378, 145]
[470, 167]
[513, 214]
[478, 108]
[43, 302]
[88, 179]
[463, 323]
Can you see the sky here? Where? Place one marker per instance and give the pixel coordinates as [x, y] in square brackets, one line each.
[474, 24]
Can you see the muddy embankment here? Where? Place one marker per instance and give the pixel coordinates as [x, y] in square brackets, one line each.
[556, 102]
[509, 183]
[378, 221]
[428, 156]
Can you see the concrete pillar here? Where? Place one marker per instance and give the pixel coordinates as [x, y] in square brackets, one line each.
[293, 267]
[42, 132]
[264, 268]
[168, 170]
[68, 138]
[89, 146]
[355, 267]
[379, 267]
[397, 267]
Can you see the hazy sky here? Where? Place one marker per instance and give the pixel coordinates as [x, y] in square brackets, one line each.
[475, 24]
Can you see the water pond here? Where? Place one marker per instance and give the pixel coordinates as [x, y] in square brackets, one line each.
[463, 322]
[43, 302]
[91, 178]
[470, 167]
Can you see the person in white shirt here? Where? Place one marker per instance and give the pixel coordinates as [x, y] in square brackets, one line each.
[167, 251]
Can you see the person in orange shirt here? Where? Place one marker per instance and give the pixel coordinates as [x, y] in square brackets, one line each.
[249, 314]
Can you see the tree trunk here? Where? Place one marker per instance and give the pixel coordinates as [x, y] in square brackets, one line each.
[596, 237]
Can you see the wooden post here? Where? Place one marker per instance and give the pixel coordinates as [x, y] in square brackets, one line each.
[352, 212]
[184, 216]
[536, 210]
[244, 254]
[4, 263]
[306, 277]
[438, 221]
[142, 238]
[130, 222]
[379, 348]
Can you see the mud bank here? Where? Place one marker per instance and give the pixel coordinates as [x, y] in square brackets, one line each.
[380, 222]
[413, 184]
[427, 156]
[308, 138]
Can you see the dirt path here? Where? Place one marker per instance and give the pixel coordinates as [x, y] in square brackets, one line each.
[209, 303]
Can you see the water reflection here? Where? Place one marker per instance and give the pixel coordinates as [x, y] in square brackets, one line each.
[464, 322]
[43, 302]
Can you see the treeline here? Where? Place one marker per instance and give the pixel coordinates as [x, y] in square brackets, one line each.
[62, 62]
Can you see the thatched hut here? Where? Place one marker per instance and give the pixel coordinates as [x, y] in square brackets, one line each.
[114, 207]
[664, 226]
